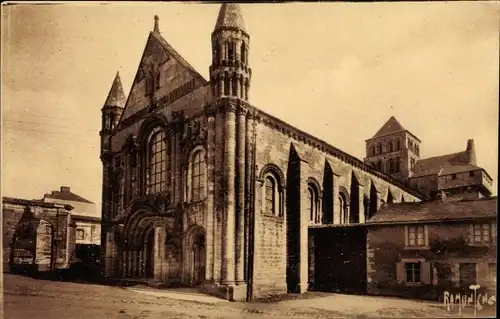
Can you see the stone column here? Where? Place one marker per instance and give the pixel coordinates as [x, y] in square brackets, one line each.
[336, 207]
[304, 230]
[361, 204]
[221, 85]
[218, 197]
[238, 88]
[241, 195]
[230, 83]
[159, 250]
[108, 266]
[229, 203]
[210, 213]
[248, 167]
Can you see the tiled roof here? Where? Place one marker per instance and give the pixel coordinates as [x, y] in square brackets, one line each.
[433, 165]
[67, 196]
[391, 126]
[436, 210]
[230, 16]
[116, 96]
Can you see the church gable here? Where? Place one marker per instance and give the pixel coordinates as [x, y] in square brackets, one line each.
[163, 76]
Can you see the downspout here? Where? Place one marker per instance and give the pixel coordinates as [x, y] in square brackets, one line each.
[251, 211]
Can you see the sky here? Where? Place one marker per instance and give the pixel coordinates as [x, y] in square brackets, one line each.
[335, 70]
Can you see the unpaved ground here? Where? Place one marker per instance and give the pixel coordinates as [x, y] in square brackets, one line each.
[29, 298]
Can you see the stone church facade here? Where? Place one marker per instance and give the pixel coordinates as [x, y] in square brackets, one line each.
[202, 188]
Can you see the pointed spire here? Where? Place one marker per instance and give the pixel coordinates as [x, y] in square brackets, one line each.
[116, 96]
[157, 24]
[230, 16]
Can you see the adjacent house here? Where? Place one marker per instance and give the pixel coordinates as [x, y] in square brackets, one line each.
[424, 249]
[37, 236]
[85, 215]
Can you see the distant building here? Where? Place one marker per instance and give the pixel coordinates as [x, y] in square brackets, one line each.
[423, 249]
[85, 214]
[396, 151]
[37, 236]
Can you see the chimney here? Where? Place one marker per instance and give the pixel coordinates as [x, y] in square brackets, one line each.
[471, 152]
[65, 189]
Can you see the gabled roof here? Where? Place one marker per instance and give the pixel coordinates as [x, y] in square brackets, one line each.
[176, 55]
[433, 165]
[116, 96]
[67, 195]
[436, 210]
[230, 16]
[391, 126]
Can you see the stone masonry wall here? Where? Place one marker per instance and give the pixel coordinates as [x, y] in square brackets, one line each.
[386, 248]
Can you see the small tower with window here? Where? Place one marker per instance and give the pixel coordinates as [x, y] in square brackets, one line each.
[393, 150]
[230, 73]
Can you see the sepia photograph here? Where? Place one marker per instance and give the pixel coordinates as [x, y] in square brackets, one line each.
[203, 159]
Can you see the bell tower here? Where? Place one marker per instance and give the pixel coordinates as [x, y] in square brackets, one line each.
[230, 73]
[112, 111]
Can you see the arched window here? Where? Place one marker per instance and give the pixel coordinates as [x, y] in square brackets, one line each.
[198, 176]
[398, 145]
[243, 53]
[389, 146]
[226, 85]
[313, 203]
[343, 209]
[270, 195]
[230, 50]
[156, 173]
[372, 150]
[216, 54]
[379, 147]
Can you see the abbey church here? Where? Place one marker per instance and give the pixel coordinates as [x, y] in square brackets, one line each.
[202, 188]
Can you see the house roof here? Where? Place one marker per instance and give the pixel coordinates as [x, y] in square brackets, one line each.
[66, 195]
[35, 202]
[433, 165]
[436, 210]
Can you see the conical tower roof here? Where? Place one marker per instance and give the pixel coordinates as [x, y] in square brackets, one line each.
[230, 16]
[116, 96]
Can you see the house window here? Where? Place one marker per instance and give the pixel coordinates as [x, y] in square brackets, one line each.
[80, 234]
[471, 173]
[379, 146]
[389, 146]
[454, 176]
[372, 150]
[416, 236]
[157, 163]
[467, 274]
[412, 272]
[230, 50]
[198, 175]
[481, 233]
[398, 145]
